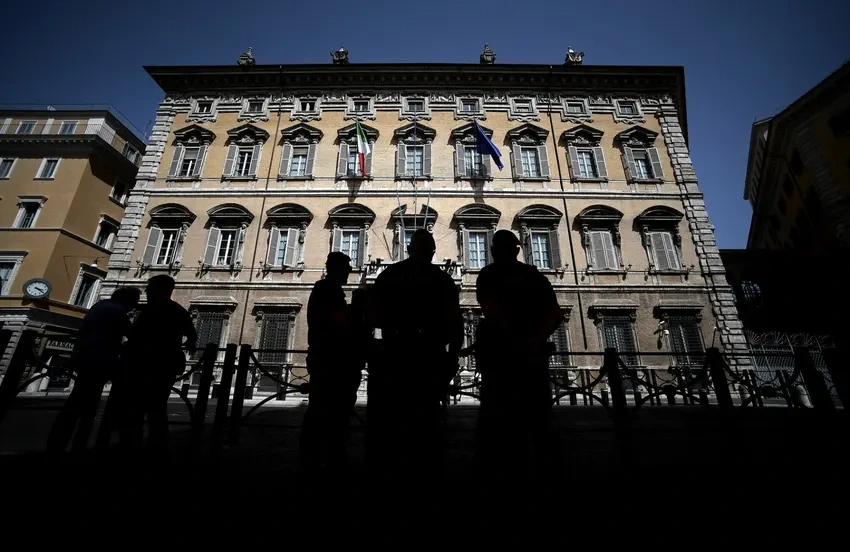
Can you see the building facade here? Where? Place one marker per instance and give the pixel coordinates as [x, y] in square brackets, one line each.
[251, 178]
[65, 177]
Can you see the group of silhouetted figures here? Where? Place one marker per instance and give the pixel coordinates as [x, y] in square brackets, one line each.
[413, 307]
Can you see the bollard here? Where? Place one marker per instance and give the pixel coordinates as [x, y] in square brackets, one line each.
[239, 394]
[207, 366]
[717, 370]
[224, 391]
[818, 391]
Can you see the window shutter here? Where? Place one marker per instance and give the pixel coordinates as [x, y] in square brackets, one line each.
[361, 248]
[199, 164]
[285, 157]
[561, 340]
[528, 248]
[311, 159]
[212, 246]
[336, 241]
[543, 154]
[465, 238]
[486, 169]
[572, 156]
[401, 160]
[369, 159]
[487, 245]
[629, 163]
[175, 160]
[554, 248]
[610, 252]
[460, 166]
[154, 239]
[274, 240]
[255, 160]
[655, 159]
[610, 335]
[48, 126]
[230, 161]
[426, 159]
[5, 126]
[662, 261]
[290, 256]
[597, 250]
[599, 158]
[517, 162]
[342, 164]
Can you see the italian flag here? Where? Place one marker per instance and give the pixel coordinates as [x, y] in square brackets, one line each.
[362, 148]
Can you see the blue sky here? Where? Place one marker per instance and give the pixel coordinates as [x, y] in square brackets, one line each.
[743, 60]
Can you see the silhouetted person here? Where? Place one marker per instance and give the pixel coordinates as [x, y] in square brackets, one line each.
[156, 358]
[415, 305]
[95, 360]
[520, 312]
[334, 362]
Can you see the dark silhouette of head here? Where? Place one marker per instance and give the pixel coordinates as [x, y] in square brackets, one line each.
[159, 288]
[422, 246]
[127, 297]
[338, 267]
[505, 246]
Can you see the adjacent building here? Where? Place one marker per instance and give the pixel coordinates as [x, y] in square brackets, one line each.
[65, 176]
[251, 177]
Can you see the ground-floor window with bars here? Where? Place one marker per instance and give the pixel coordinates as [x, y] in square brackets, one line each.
[274, 337]
[210, 327]
[618, 332]
[561, 340]
[470, 331]
[686, 340]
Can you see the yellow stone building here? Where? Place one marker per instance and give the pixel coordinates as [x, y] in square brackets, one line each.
[65, 176]
[250, 179]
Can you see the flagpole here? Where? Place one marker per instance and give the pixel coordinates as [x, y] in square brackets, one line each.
[414, 175]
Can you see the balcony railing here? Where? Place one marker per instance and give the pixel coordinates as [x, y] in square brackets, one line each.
[62, 130]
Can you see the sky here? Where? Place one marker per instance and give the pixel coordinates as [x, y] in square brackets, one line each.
[744, 60]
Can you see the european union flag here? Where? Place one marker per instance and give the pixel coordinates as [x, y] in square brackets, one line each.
[485, 146]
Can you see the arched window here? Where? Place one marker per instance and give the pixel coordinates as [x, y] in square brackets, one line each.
[287, 232]
[226, 237]
[413, 153]
[298, 152]
[640, 157]
[244, 151]
[476, 224]
[659, 228]
[350, 230]
[600, 232]
[469, 164]
[585, 155]
[539, 236]
[529, 152]
[167, 231]
[404, 224]
[190, 151]
[348, 163]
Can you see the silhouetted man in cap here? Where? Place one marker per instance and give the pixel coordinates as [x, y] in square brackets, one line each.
[95, 360]
[334, 362]
[415, 305]
[520, 312]
[156, 358]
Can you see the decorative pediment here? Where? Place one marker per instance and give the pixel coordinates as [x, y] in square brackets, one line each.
[539, 213]
[637, 136]
[289, 213]
[528, 134]
[479, 213]
[247, 134]
[349, 133]
[466, 133]
[425, 213]
[194, 134]
[352, 212]
[599, 214]
[301, 133]
[582, 135]
[172, 212]
[415, 132]
[659, 214]
[231, 212]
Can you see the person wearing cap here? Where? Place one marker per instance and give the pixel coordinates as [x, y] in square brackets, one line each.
[334, 365]
[520, 311]
[415, 304]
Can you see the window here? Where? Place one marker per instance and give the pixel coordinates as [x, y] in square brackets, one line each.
[641, 160]
[541, 250]
[586, 164]
[477, 249]
[27, 214]
[628, 108]
[226, 247]
[643, 168]
[416, 106]
[106, 231]
[131, 153]
[361, 105]
[575, 108]
[26, 127]
[68, 127]
[48, 168]
[283, 247]
[86, 290]
[274, 336]
[602, 254]
[119, 192]
[686, 339]
[8, 268]
[617, 332]
[204, 106]
[351, 245]
[6, 167]
[522, 106]
[414, 160]
[298, 165]
[665, 254]
[530, 162]
[210, 326]
[353, 167]
[255, 106]
[189, 162]
[307, 104]
[471, 162]
[561, 339]
[167, 247]
[244, 157]
[469, 105]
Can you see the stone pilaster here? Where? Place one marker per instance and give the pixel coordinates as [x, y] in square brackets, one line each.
[730, 330]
